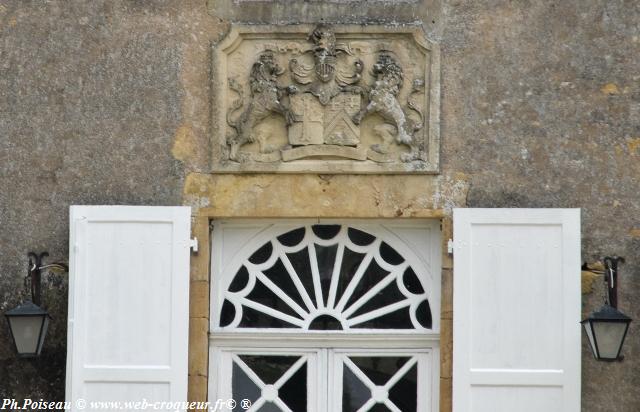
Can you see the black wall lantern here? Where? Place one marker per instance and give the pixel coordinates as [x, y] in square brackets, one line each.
[28, 325]
[607, 328]
[28, 322]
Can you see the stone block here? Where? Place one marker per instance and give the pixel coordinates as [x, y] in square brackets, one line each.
[199, 299]
[446, 395]
[198, 346]
[446, 348]
[447, 294]
[197, 391]
[200, 260]
[447, 234]
[290, 196]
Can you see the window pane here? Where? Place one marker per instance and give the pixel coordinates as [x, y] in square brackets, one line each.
[354, 392]
[399, 319]
[380, 382]
[404, 393]
[270, 407]
[375, 286]
[271, 382]
[263, 295]
[379, 369]
[326, 256]
[293, 237]
[243, 387]
[294, 391]
[269, 368]
[379, 407]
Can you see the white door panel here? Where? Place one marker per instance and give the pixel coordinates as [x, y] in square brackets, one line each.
[516, 310]
[128, 303]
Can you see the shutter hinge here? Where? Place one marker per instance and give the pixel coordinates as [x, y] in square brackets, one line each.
[450, 246]
[193, 244]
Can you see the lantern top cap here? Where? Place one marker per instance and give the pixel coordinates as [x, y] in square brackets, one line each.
[608, 313]
[28, 308]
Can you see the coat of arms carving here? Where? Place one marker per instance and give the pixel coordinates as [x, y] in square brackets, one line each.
[326, 99]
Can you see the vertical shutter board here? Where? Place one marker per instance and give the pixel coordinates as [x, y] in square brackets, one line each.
[128, 303]
[516, 310]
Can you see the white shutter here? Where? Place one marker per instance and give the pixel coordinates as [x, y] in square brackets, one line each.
[128, 304]
[516, 336]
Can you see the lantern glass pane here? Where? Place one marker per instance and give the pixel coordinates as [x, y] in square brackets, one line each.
[609, 336]
[588, 329]
[26, 332]
[43, 334]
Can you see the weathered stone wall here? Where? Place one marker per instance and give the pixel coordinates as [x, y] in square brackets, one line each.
[541, 108]
[105, 102]
[93, 96]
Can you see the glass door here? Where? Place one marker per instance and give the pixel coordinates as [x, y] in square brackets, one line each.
[315, 316]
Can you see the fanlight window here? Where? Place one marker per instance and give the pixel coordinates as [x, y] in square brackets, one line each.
[325, 277]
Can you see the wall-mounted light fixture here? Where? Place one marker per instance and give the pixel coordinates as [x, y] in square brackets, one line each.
[28, 322]
[607, 328]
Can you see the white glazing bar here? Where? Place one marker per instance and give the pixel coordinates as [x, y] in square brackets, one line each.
[355, 279]
[272, 312]
[378, 312]
[281, 294]
[335, 276]
[370, 294]
[297, 282]
[315, 272]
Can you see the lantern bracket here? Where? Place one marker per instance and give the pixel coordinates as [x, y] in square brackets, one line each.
[611, 279]
[35, 274]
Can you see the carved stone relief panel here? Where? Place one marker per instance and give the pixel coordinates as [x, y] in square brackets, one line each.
[325, 99]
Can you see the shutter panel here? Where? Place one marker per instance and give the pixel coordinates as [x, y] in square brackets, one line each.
[516, 336]
[128, 304]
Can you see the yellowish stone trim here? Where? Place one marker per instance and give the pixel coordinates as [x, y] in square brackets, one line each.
[200, 287]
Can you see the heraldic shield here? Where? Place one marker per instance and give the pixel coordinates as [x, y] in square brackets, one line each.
[316, 124]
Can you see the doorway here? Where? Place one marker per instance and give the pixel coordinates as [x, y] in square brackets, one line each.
[325, 315]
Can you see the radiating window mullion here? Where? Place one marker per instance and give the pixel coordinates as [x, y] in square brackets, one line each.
[354, 281]
[315, 272]
[281, 294]
[336, 272]
[272, 312]
[296, 281]
[371, 293]
[378, 312]
[325, 285]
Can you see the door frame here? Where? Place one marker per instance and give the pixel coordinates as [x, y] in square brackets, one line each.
[425, 254]
[200, 287]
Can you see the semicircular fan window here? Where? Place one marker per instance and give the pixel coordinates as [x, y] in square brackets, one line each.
[326, 277]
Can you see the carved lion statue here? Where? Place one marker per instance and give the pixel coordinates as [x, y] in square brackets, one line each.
[383, 98]
[265, 100]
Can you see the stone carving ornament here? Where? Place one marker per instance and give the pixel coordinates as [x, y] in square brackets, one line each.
[328, 100]
[265, 100]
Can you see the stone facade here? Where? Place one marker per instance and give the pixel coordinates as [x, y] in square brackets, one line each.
[110, 103]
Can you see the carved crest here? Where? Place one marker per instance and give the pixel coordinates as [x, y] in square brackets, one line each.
[327, 100]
